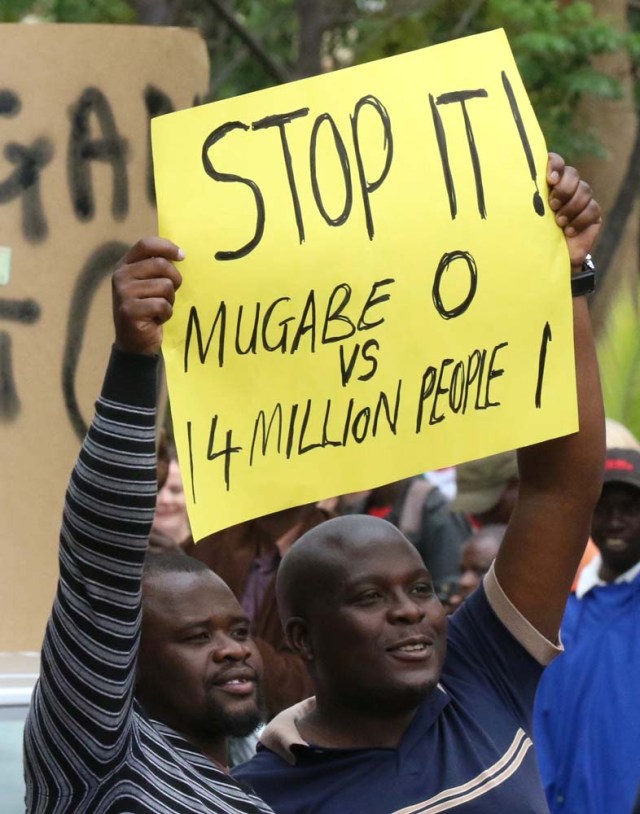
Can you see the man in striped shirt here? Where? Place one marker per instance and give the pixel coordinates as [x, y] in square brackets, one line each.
[146, 669]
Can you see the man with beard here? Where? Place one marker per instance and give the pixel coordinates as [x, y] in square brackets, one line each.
[410, 716]
[147, 664]
[587, 716]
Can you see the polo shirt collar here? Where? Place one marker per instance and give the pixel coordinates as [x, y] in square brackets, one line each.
[425, 717]
[589, 576]
[281, 735]
[283, 738]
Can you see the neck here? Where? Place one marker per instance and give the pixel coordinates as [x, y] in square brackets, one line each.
[213, 748]
[341, 726]
[607, 573]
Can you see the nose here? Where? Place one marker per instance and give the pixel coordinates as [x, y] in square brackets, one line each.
[226, 648]
[468, 582]
[617, 517]
[610, 523]
[454, 601]
[405, 610]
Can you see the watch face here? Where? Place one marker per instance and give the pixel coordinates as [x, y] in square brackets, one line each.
[588, 264]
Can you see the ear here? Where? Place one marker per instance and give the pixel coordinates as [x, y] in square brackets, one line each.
[297, 634]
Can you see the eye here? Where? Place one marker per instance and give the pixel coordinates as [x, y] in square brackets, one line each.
[241, 634]
[423, 589]
[200, 636]
[368, 597]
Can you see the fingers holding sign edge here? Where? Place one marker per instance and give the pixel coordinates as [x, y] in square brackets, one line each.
[576, 211]
[153, 247]
[143, 288]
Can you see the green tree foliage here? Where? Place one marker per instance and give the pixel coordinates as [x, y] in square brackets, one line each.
[553, 42]
[554, 49]
[235, 68]
[619, 360]
[68, 11]
[13, 11]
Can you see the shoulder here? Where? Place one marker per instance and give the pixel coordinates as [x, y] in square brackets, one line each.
[488, 613]
[263, 761]
[273, 779]
[495, 658]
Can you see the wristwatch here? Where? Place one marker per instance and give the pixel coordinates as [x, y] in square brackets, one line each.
[584, 282]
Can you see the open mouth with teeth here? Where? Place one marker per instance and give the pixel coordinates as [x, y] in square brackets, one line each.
[615, 544]
[411, 650]
[242, 685]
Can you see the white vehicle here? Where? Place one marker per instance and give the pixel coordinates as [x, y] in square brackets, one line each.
[18, 675]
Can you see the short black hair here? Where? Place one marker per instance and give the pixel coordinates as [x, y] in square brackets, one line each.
[171, 562]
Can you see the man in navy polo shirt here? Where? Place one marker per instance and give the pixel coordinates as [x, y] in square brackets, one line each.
[409, 716]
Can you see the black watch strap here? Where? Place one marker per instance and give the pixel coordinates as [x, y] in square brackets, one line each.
[584, 282]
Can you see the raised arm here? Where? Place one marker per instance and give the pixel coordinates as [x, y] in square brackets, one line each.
[560, 480]
[81, 705]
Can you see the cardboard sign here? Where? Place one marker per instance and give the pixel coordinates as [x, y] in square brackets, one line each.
[76, 189]
[374, 284]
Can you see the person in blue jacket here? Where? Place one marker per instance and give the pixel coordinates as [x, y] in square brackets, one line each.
[587, 713]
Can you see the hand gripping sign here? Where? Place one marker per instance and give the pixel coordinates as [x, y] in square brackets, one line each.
[374, 282]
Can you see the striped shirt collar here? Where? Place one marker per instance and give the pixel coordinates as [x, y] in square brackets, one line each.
[184, 747]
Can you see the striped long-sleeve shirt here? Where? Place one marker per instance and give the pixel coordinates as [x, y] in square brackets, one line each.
[89, 747]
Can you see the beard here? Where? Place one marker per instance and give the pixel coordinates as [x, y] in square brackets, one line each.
[218, 720]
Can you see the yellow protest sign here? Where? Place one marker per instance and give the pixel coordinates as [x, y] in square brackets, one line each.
[374, 284]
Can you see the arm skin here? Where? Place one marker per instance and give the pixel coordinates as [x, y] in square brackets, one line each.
[561, 479]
